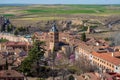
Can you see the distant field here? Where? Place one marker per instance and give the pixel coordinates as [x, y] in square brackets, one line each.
[41, 18]
[31, 13]
[76, 9]
[8, 15]
[42, 10]
[60, 11]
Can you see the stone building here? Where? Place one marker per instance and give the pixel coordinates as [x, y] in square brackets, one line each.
[50, 38]
[54, 38]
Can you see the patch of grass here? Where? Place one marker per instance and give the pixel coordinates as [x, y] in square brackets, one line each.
[93, 27]
[60, 11]
[84, 28]
[77, 11]
[74, 9]
[8, 15]
[37, 10]
[3, 40]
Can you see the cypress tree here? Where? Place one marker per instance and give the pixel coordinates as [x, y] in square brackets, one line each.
[83, 37]
[6, 65]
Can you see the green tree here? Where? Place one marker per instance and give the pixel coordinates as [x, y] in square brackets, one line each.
[25, 66]
[3, 40]
[71, 77]
[2, 28]
[83, 37]
[37, 52]
[34, 56]
[6, 64]
[16, 32]
[9, 28]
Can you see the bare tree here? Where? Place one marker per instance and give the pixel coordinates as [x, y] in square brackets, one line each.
[84, 64]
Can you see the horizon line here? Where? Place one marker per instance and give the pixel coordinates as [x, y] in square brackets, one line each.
[53, 4]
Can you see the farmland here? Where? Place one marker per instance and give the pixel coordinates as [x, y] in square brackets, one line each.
[41, 16]
[44, 10]
[30, 14]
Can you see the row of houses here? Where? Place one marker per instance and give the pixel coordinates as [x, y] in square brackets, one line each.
[99, 52]
[106, 58]
[13, 52]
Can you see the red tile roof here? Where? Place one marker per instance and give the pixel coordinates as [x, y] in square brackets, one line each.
[16, 43]
[107, 57]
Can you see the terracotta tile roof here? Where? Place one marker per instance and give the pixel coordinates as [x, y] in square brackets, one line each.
[107, 57]
[108, 76]
[85, 47]
[40, 33]
[10, 58]
[16, 44]
[89, 76]
[10, 73]
[117, 54]
[3, 61]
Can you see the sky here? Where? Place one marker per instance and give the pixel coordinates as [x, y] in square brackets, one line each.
[60, 1]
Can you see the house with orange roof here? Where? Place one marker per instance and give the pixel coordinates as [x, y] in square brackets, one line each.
[107, 61]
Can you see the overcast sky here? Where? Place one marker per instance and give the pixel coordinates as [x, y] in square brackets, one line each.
[60, 1]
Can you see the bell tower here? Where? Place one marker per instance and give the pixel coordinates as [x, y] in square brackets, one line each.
[53, 38]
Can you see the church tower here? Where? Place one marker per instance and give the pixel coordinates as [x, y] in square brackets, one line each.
[53, 38]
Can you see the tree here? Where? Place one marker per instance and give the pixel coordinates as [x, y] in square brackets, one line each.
[9, 28]
[71, 77]
[3, 28]
[6, 64]
[25, 66]
[83, 37]
[31, 63]
[84, 64]
[16, 32]
[3, 40]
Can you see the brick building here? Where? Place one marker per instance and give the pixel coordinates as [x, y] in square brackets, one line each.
[51, 38]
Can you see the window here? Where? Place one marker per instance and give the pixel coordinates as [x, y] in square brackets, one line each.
[51, 33]
[112, 66]
[104, 62]
[107, 63]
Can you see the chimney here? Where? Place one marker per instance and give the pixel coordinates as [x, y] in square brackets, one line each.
[88, 30]
[112, 54]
